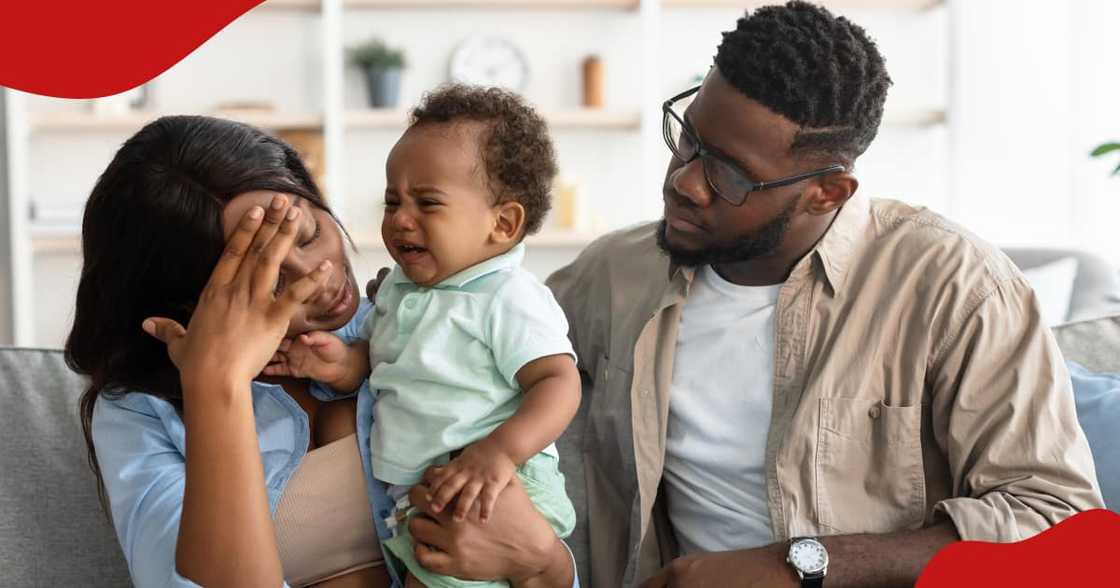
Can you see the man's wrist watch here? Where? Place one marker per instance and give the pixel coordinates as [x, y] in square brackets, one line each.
[809, 559]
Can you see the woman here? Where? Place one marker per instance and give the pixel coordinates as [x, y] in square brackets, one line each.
[214, 475]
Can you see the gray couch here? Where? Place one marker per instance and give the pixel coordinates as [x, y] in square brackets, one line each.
[52, 531]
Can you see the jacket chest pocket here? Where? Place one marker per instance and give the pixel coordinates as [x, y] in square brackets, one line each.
[868, 474]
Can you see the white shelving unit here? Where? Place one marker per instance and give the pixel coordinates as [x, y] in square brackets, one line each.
[633, 128]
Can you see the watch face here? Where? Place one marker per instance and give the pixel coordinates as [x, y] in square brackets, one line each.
[490, 61]
[808, 555]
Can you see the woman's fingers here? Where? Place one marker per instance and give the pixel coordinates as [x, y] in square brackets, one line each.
[164, 329]
[279, 209]
[303, 289]
[237, 247]
[168, 331]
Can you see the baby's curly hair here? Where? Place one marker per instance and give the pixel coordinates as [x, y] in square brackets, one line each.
[820, 71]
[517, 152]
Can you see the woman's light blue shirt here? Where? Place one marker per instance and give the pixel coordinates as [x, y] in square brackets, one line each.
[141, 447]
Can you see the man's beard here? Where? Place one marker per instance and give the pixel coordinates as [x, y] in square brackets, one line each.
[751, 246]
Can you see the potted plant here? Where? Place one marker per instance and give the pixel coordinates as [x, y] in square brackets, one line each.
[1104, 149]
[382, 67]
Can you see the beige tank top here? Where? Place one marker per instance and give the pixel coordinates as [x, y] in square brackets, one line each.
[324, 525]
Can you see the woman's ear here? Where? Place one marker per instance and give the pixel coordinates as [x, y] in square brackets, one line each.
[509, 222]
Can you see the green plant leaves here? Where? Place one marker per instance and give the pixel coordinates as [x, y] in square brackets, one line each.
[1104, 148]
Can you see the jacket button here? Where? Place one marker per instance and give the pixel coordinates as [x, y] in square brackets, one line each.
[873, 412]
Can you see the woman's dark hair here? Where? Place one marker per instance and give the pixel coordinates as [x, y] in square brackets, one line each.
[818, 70]
[151, 235]
[517, 152]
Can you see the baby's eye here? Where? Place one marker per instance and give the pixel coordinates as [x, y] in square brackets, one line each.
[428, 202]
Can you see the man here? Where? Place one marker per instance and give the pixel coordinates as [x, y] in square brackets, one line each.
[783, 370]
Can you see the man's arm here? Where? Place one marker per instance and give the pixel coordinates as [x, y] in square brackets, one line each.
[890, 559]
[1004, 416]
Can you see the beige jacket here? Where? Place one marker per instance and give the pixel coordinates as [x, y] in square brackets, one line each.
[913, 380]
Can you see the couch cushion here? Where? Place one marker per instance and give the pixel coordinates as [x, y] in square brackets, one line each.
[1098, 408]
[1094, 344]
[52, 529]
[1096, 290]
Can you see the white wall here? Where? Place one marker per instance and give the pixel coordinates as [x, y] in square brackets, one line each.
[1030, 88]
[1034, 91]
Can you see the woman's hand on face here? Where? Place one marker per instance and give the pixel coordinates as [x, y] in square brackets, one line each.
[516, 543]
[239, 322]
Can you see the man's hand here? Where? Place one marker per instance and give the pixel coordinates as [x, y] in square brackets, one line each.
[747, 568]
[480, 472]
[517, 544]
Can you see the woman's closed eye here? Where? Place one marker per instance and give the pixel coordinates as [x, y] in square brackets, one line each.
[314, 235]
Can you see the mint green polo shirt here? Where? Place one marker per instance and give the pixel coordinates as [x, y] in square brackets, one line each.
[445, 359]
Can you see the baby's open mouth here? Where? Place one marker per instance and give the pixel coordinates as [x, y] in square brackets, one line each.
[405, 248]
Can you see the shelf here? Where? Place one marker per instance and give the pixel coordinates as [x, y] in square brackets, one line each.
[391, 119]
[913, 117]
[132, 121]
[496, 4]
[68, 241]
[592, 4]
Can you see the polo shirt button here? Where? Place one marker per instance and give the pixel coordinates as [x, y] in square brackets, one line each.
[410, 303]
[873, 412]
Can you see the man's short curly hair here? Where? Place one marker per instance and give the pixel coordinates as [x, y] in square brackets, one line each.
[517, 153]
[820, 71]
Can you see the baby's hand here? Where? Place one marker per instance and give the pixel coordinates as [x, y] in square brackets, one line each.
[481, 471]
[317, 355]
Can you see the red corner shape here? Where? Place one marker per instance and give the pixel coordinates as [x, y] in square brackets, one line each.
[1076, 552]
[93, 48]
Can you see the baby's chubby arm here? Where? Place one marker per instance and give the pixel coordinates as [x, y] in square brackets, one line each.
[482, 470]
[322, 356]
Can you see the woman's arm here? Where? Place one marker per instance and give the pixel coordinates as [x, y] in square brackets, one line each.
[226, 535]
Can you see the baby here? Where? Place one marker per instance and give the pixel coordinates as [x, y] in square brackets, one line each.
[471, 364]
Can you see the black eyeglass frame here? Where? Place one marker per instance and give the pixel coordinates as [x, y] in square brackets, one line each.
[706, 155]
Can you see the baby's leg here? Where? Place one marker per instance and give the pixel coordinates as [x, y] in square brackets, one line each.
[335, 420]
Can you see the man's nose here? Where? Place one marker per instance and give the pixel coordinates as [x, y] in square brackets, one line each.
[689, 182]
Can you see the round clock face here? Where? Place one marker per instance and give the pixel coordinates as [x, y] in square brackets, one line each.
[490, 61]
[808, 556]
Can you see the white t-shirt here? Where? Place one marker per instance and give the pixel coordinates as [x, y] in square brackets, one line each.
[719, 416]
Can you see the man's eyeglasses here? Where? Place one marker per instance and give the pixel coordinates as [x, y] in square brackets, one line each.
[724, 176]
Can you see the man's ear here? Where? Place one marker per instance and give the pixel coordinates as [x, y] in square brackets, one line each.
[832, 191]
[509, 222]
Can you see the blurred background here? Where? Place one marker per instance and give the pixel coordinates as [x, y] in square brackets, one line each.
[996, 107]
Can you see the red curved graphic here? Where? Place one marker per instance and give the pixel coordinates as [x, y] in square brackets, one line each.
[1076, 552]
[94, 48]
